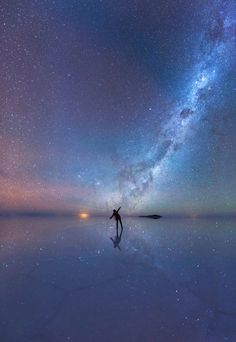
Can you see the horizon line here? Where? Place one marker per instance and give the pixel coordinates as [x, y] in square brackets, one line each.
[40, 213]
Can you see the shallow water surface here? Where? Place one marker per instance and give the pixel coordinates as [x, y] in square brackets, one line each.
[171, 280]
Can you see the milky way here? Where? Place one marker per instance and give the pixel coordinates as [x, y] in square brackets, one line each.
[215, 47]
[109, 103]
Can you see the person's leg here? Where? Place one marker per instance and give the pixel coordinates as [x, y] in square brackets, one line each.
[121, 231]
[116, 227]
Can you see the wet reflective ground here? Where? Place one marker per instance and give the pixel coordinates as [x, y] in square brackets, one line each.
[63, 280]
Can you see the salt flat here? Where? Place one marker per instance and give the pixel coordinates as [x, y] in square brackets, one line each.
[62, 280]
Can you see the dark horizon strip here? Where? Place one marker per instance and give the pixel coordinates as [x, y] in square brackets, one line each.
[47, 214]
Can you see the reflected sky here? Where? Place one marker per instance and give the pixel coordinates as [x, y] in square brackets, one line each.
[172, 280]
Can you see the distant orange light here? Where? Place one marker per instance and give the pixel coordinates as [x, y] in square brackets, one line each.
[83, 215]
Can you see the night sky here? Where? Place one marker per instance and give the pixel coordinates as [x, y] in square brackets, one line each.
[118, 103]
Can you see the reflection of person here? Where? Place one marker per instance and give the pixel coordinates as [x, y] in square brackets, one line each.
[116, 241]
[117, 218]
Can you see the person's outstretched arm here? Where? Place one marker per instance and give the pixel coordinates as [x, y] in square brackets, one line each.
[111, 216]
[118, 209]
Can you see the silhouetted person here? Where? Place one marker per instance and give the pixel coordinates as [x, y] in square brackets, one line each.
[117, 218]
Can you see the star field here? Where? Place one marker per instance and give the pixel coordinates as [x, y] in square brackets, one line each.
[107, 103]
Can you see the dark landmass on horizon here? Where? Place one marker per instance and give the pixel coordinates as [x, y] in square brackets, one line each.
[155, 217]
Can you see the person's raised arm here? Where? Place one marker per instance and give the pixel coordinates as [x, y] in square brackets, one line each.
[118, 209]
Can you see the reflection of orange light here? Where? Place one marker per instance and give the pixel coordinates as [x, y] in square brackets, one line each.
[83, 215]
